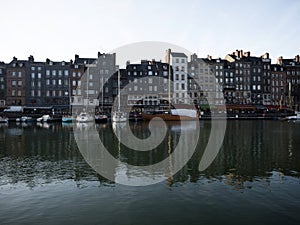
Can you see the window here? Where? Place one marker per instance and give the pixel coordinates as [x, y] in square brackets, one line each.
[165, 73]
[19, 92]
[53, 82]
[150, 81]
[19, 83]
[74, 83]
[39, 93]
[39, 84]
[76, 66]
[182, 77]
[66, 73]
[13, 83]
[91, 76]
[150, 73]
[39, 75]
[182, 60]
[32, 75]
[19, 74]
[59, 73]
[13, 93]
[79, 74]
[14, 73]
[182, 87]
[47, 72]
[32, 93]
[39, 68]
[59, 82]
[74, 74]
[47, 82]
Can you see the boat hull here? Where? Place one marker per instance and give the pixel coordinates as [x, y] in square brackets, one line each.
[167, 117]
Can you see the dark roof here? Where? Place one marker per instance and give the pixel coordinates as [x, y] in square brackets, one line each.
[178, 54]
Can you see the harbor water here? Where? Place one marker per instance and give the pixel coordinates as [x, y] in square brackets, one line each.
[254, 179]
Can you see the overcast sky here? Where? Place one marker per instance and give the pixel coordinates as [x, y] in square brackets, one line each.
[60, 29]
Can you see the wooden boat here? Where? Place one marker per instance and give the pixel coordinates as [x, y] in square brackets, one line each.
[171, 115]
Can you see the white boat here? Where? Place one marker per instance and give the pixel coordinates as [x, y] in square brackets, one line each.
[26, 119]
[294, 117]
[84, 118]
[119, 116]
[43, 119]
[3, 119]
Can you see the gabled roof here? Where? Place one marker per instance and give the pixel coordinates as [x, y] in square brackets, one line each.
[178, 54]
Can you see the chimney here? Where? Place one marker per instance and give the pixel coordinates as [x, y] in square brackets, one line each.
[47, 61]
[279, 61]
[168, 56]
[236, 53]
[71, 61]
[297, 59]
[193, 57]
[76, 56]
[15, 58]
[241, 54]
[30, 58]
[127, 62]
[99, 54]
[209, 57]
[247, 54]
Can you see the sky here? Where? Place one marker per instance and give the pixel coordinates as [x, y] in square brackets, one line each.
[59, 29]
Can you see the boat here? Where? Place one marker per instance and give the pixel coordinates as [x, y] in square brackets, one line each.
[119, 116]
[26, 119]
[3, 119]
[294, 117]
[101, 118]
[171, 115]
[43, 119]
[67, 119]
[84, 118]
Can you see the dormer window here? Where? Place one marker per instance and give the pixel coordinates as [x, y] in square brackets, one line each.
[50, 63]
[76, 66]
[63, 63]
[21, 64]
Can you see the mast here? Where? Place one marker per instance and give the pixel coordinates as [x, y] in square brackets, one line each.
[119, 97]
[169, 83]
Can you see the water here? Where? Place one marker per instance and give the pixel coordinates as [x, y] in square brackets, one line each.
[44, 179]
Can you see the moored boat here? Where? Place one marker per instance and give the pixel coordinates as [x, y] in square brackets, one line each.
[84, 118]
[101, 118]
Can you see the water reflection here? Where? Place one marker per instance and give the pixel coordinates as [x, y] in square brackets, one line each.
[252, 150]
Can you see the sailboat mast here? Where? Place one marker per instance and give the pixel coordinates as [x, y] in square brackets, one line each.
[169, 83]
[119, 97]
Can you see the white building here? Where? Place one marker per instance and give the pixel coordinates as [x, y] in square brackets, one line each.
[179, 64]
